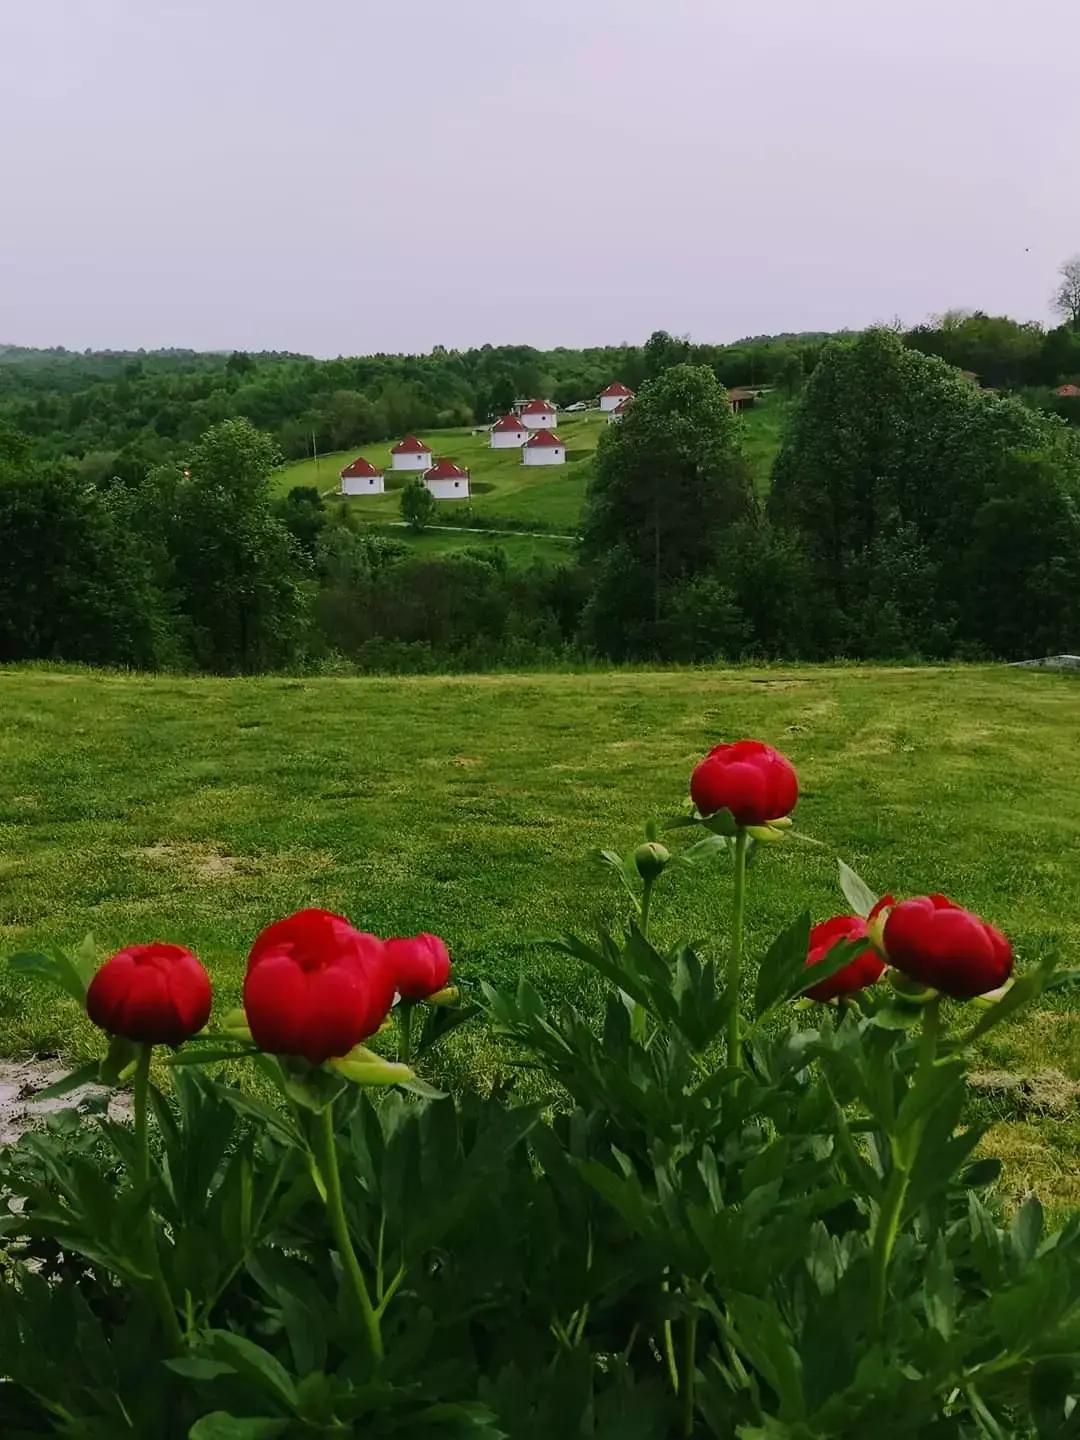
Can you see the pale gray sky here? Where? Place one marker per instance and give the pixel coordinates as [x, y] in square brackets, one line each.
[342, 176]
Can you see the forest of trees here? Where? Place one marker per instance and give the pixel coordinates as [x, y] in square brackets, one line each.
[122, 413]
[912, 512]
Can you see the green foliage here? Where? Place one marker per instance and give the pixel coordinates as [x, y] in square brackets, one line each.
[418, 505]
[235, 568]
[668, 481]
[75, 583]
[890, 463]
[790, 1238]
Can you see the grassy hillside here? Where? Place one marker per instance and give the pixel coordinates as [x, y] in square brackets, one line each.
[198, 810]
[502, 486]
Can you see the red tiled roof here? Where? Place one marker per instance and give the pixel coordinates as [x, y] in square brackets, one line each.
[738, 393]
[360, 468]
[622, 406]
[542, 437]
[1067, 392]
[508, 422]
[538, 407]
[410, 446]
[617, 388]
[446, 470]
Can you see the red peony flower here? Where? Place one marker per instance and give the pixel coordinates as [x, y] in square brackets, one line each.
[420, 965]
[938, 943]
[751, 779]
[866, 967]
[157, 994]
[315, 986]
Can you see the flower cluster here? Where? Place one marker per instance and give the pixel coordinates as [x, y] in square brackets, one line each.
[315, 987]
[930, 938]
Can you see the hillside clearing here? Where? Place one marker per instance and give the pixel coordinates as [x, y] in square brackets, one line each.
[197, 810]
[502, 486]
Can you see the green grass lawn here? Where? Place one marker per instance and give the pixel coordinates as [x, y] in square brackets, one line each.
[763, 431]
[198, 810]
[520, 550]
[502, 486]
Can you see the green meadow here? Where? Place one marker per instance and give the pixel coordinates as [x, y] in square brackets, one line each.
[197, 810]
[502, 487]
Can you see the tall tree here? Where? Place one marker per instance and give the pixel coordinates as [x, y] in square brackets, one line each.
[1066, 298]
[75, 583]
[668, 479]
[417, 505]
[237, 570]
[662, 351]
[890, 455]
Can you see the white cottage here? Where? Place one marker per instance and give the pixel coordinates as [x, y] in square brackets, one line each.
[361, 478]
[508, 433]
[447, 481]
[614, 396]
[618, 411]
[410, 454]
[539, 415]
[544, 448]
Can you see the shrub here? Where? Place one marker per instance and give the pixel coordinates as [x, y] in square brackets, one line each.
[724, 1211]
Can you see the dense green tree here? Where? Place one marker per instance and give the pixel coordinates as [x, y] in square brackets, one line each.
[303, 513]
[237, 571]
[239, 363]
[74, 584]
[417, 505]
[1021, 566]
[791, 376]
[996, 349]
[662, 351]
[668, 480]
[890, 456]
[1060, 356]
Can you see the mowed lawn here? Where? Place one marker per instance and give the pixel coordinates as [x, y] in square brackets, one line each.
[549, 496]
[198, 810]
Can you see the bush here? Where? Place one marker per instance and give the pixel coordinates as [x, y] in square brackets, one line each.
[711, 1218]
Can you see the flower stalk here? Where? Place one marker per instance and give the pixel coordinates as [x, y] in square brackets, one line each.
[734, 971]
[158, 1289]
[367, 1320]
[891, 1210]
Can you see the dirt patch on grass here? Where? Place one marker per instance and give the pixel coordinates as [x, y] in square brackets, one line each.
[20, 1081]
[1049, 1092]
[204, 864]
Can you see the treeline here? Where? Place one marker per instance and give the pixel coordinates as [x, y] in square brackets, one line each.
[911, 514]
[199, 568]
[120, 414]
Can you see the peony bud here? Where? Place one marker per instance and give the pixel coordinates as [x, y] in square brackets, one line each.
[651, 859]
[154, 994]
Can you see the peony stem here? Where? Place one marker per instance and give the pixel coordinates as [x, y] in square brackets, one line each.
[646, 901]
[158, 1289]
[669, 1348]
[891, 1209]
[734, 973]
[326, 1145]
[689, 1364]
[405, 1016]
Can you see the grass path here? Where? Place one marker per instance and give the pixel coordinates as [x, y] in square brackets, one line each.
[197, 810]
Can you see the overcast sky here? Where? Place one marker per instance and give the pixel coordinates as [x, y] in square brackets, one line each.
[343, 176]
